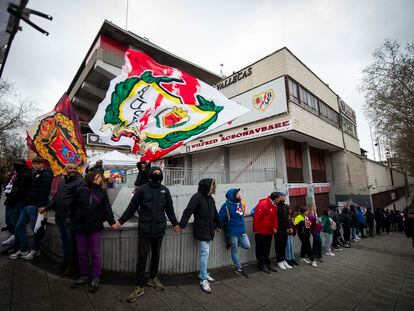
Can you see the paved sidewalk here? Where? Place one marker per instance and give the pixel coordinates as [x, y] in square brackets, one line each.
[377, 274]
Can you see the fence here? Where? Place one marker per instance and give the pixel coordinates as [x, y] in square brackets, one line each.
[181, 176]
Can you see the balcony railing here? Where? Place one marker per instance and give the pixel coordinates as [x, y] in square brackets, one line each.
[181, 176]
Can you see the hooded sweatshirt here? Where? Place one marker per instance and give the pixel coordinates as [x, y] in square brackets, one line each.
[232, 214]
[203, 207]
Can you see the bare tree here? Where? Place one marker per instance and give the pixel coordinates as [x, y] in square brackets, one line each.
[388, 86]
[15, 114]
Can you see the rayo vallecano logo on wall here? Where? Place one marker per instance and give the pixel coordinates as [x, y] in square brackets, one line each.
[263, 100]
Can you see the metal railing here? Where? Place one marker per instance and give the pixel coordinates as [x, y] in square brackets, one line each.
[180, 176]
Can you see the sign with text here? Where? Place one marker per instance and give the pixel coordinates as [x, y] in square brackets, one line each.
[264, 101]
[347, 111]
[239, 135]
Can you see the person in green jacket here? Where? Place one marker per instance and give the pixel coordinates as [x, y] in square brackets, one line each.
[327, 232]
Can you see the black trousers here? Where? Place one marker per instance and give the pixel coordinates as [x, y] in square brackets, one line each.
[378, 227]
[371, 230]
[280, 244]
[361, 229]
[144, 246]
[263, 244]
[347, 234]
[306, 248]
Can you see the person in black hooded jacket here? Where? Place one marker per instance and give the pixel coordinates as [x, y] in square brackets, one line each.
[206, 221]
[152, 201]
[345, 222]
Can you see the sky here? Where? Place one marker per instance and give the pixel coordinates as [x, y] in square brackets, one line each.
[335, 39]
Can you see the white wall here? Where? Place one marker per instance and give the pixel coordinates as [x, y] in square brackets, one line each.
[352, 144]
[309, 124]
[181, 195]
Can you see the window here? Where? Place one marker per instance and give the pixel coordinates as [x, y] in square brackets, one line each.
[308, 99]
[349, 127]
[328, 114]
[317, 158]
[293, 91]
[294, 164]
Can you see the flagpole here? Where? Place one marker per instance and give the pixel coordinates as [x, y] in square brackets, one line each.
[126, 17]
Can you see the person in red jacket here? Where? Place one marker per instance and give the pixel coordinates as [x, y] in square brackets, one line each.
[265, 225]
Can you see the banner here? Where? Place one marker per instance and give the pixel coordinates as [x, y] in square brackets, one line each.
[156, 109]
[56, 137]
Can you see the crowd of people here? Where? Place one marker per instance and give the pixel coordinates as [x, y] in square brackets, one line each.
[81, 206]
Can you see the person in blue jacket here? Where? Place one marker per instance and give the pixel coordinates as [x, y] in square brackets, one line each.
[232, 216]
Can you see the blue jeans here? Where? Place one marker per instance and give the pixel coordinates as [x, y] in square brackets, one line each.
[353, 232]
[317, 244]
[204, 252]
[28, 214]
[13, 215]
[65, 231]
[289, 255]
[236, 241]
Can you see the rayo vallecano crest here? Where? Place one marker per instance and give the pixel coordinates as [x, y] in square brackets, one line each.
[263, 100]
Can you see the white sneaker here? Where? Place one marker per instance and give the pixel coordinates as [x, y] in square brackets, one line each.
[18, 254]
[210, 279]
[358, 238]
[31, 255]
[304, 260]
[9, 241]
[314, 264]
[280, 265]
[287, 265]
[331, 254]
[355, 240]
[205, 286]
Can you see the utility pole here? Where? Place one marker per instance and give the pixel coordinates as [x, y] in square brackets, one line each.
[372, 142]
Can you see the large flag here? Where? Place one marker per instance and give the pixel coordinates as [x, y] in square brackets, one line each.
[155, 108]
[56, 137]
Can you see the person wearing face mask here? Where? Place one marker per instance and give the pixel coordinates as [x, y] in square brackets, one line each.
[93, 208]
[38, 196]
[152, 201]
[206, 222]
[64, 204]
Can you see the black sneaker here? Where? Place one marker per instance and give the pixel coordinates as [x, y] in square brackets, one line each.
[79, 282]
[93, 287]
[271, 268]
[264, 269]
[241, 272]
